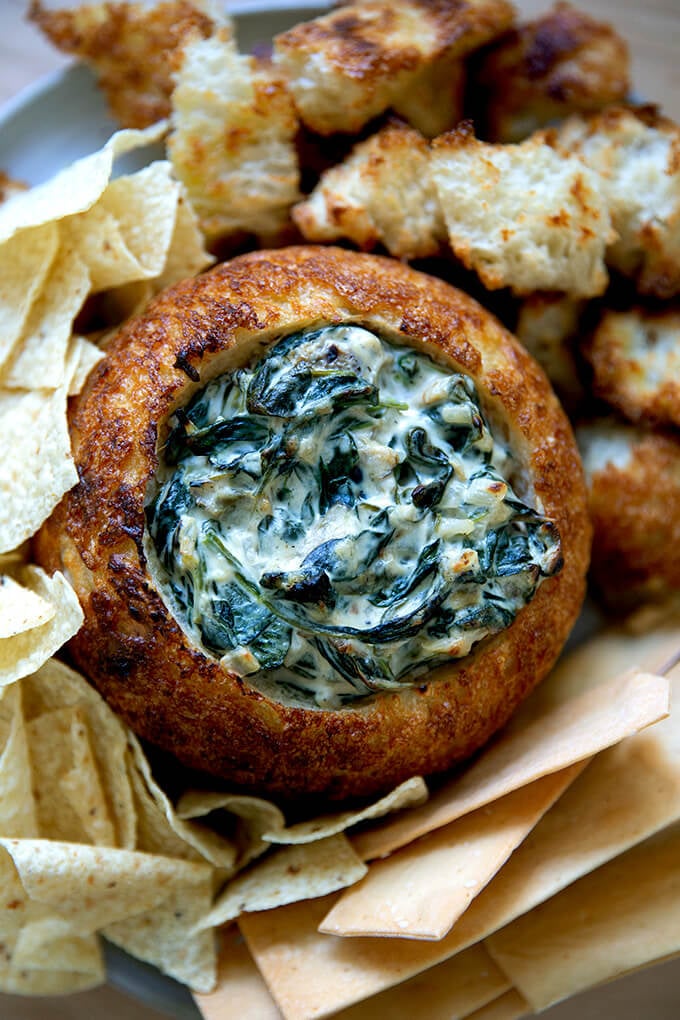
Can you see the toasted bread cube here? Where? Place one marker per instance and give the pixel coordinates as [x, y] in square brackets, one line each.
[232, 140]
[637, 154]
[130, 47]
[382, 193]
[633, 478]
[563, 62]
[522, 216]
[548, 326]
[357, 61]
[635, 356]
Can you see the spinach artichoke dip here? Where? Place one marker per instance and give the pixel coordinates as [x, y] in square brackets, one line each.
[336, 519]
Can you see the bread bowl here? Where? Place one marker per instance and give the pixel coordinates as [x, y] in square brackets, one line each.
[137, 420]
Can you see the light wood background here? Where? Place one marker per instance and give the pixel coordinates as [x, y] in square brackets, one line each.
[652, 28]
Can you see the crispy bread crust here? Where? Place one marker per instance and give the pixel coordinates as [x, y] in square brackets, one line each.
[134, 651]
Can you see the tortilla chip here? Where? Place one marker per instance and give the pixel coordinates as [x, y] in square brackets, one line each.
[286, 876]
[421, 891]
[186, 255]
[509, 1006]
[538, 743]
[83, 356]
[209, 845]
[56, 687]
[614, 920]
[240, 992]
[71, 802]
[17, 804]
[408, 794]
[25, 261]
[39, 359]
[46, 944]
[166, 938]
[251, 817]
[75, 188]
[311, 975]
[25, 652]
[20, 608]
[126, 235]
[37, 467]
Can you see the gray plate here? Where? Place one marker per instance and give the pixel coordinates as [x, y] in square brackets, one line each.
[63, 118]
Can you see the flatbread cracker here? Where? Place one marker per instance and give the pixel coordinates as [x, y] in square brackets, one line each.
[535, 744]
[421, 891]
[620, 917]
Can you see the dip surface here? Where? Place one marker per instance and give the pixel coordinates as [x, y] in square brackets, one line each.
[336, 519]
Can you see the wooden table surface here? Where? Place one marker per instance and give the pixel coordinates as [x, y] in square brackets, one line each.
[653, 29]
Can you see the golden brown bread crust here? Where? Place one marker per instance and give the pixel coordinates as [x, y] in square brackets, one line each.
[133, 650]
[635, 509]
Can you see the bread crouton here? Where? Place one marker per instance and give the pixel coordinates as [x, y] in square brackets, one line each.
[522, 216]
[232, 140]
[350, 65]
[563, 62]
[130, 47]
[10, 186]
[635, 356]
[637, 154]
[382, 193]
[548, 326]
[633, 478]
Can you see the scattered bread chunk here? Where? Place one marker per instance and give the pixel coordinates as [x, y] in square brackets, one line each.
[633, 478]
[635, 356]
[383, 193]
[434, 100]
[563, 62]
[522, 216]
[548, 326]
[636, 151]
[350, 65]
[232, 140]
[9, 186]
[130, 47]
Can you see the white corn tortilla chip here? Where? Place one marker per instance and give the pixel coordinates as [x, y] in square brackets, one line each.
[538, 744]
[620, 917]
[25, 261]
[71, 802]
[288, 875]
[210, 846]
[126, 235]
[83, 355]
[39, 359]
[410, 793]
[75, 188]
[186, 255]
[20, 608]
[165, 936]
[421, 891]
[17, 802]
[55, 687]
[37, 467]
[26, 652]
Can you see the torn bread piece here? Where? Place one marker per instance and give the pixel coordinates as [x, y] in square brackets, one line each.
[352, 64]
[383, 193]
[232, 140]
[130, 47]
[635, 356]
[548, 326]
[633, 478]
[522, 216]
[636, 152]
[560, 63]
